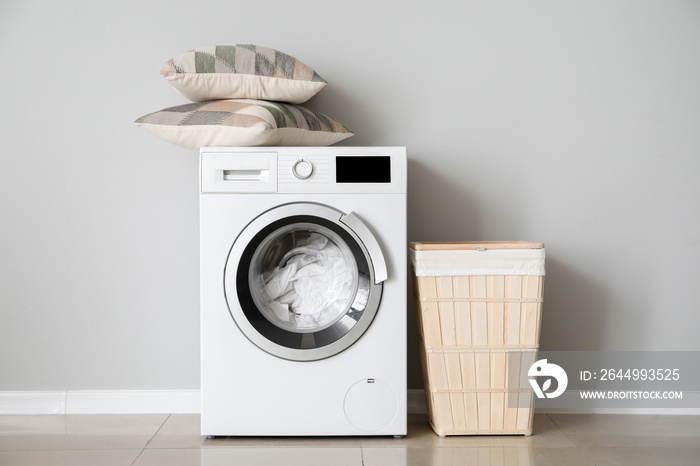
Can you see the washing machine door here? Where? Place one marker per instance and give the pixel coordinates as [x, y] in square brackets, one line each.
[303, 281]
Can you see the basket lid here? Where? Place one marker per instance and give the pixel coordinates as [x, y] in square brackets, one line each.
[473, 245]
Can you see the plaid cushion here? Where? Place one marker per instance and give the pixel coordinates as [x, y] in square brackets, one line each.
[242, 122]
[241, 72]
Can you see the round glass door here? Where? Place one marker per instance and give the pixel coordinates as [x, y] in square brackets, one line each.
[300, 283]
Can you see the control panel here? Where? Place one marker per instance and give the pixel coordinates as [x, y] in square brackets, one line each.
[303, 170]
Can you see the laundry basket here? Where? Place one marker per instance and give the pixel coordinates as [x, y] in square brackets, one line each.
[480, 308]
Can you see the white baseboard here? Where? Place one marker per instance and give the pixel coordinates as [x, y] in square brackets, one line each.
[188, 401]
[573, 398]
[100, 402]
[32, 403]
[132, 401]
[663, 411]
[418, 404]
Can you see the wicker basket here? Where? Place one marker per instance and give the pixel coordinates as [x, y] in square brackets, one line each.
[478, 330]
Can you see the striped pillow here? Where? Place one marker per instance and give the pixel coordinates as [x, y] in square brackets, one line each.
[240, 122]
[241, 72]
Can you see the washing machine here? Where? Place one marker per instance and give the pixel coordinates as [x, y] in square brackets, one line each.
[303, 291]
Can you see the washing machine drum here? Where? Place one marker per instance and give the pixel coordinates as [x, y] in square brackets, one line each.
[303, 281]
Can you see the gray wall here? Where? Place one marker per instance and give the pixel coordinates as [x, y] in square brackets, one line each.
[574, 123]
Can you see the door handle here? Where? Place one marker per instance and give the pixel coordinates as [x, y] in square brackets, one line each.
[375, 252]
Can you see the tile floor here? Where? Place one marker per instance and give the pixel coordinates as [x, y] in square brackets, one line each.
[174, 440]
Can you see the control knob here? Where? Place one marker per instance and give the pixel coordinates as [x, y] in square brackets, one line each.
[302, 169]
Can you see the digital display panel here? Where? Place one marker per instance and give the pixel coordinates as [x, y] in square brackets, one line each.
[362, 169]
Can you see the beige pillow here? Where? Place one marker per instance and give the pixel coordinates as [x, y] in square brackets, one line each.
[241, 72]
[240, 122]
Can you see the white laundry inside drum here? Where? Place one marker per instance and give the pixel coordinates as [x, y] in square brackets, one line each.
[303, 277]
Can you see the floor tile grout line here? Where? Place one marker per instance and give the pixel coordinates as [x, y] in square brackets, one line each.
[560, 429]
[589, 459]
[157, 431]
[150, 439]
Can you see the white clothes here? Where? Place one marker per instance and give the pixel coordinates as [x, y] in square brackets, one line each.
[313, 284]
